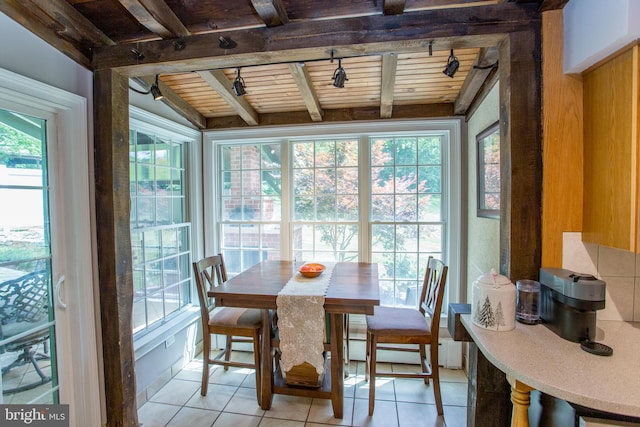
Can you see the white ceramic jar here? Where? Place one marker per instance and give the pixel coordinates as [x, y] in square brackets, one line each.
[493, 302]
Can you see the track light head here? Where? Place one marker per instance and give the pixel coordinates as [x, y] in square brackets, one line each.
[452, 65]
[238, 85]
[155, 91]
[339, 75]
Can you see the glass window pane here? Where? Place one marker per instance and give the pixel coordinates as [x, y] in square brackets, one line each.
[382, 152]
[325, 153]
[382, 180]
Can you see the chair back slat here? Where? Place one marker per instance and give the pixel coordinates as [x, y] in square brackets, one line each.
[432, 293]
[209, 272]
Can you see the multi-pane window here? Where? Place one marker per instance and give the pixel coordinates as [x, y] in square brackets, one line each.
[325, 206]
[250, 210]
[160, 233]
[372, 198]
[407, 222]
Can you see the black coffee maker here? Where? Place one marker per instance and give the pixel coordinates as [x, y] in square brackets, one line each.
[569, 302]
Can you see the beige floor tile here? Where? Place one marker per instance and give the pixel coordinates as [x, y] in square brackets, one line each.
[454, 394]
[414, 390]
[414, 414]
[216, 399]
[453, 375]
[232, 376]
[455, 416]
[153, 414]
[275, 422]
[244, 401]
[193, 417]
[384, 415]
[228, 419]
[289, 408]
[384, 389]
[322, 412]
[176, 392]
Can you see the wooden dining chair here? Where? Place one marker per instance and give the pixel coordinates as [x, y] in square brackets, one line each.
[399, 325]
[236, 324]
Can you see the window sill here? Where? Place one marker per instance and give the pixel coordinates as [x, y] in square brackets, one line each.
[148, 342]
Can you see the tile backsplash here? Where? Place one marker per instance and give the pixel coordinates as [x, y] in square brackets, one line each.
[619, 269]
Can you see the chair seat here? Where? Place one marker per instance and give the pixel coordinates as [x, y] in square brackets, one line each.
[396, 321]
[236, 316]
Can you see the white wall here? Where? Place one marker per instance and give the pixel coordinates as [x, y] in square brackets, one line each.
[26, 54]
[483, 236]
[595, 29]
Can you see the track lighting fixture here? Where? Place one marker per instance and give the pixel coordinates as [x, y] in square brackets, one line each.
[155, 91]
[238, 85]
[339, 75]
[452, 65]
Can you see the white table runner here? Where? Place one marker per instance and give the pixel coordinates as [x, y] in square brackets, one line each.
[301, 319]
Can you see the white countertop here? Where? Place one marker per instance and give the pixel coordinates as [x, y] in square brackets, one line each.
[536, 356]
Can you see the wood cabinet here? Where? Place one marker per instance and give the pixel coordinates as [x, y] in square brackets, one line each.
[611, 139]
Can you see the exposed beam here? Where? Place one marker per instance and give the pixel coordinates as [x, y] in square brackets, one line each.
[302, 41]
[272, 12]
[174, 101]
[389, 65]
[157, 17]
[113, 232]
[59, 24]
[486, 61]
[301, 76]
[393, 7]
[336, 115]
[221, 84]
[552, 5]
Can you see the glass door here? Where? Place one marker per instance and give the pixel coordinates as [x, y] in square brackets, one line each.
[27, 321]
[48, 346]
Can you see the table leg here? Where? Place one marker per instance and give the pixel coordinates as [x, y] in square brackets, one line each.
[520, 396]
[266, 362]
[337, 364]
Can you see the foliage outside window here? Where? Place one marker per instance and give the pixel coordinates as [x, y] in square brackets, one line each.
[407, 221]
[489, 172]
[251, 204]
[398, 179]
[160, 234]
[325, 188]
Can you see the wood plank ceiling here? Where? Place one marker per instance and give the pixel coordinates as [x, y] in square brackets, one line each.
[392, 80]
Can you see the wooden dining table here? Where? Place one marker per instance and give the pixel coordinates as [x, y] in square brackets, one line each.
[353, 289]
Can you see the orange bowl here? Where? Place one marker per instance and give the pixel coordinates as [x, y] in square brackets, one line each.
[311, 269]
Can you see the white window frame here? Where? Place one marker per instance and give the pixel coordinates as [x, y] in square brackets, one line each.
[452, 179]
[144, 121]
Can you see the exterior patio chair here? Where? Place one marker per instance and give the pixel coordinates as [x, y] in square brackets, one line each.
[24, 307]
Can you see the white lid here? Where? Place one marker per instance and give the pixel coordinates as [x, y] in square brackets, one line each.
[493, 278]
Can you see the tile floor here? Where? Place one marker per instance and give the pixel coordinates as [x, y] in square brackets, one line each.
[231, 401]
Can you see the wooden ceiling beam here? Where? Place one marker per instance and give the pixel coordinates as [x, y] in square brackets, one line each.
[301, 76]
[302, 41]
[272, 12]
[393, 7]
[387, 87]
[174, 101]
[484, 64]
[157, 17]
[420, 111]
[59, 24]
[221, 84]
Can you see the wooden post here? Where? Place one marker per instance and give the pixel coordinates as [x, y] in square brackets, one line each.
[520, 155]
[111, 101]
[488, 392]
